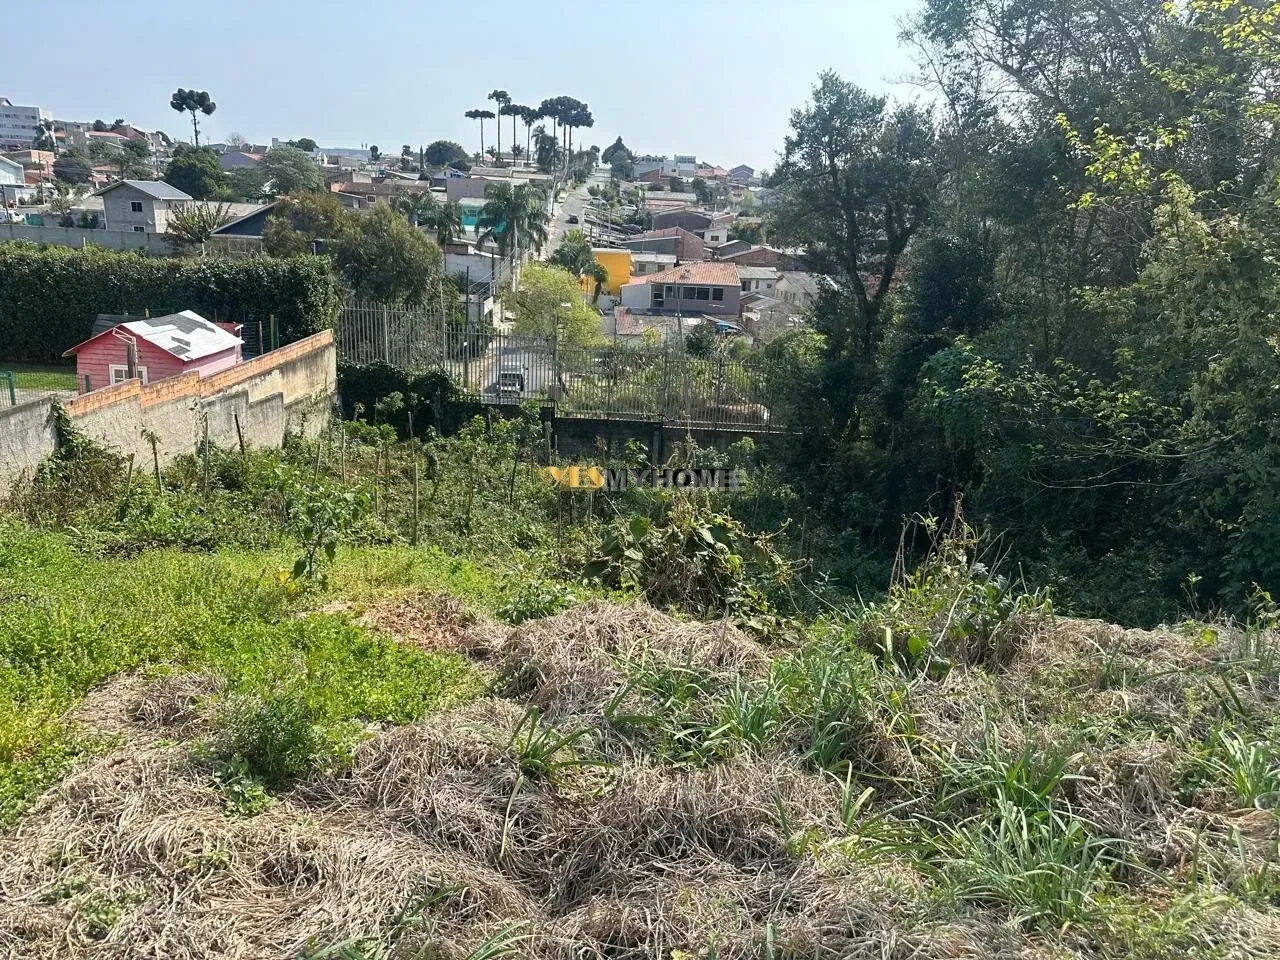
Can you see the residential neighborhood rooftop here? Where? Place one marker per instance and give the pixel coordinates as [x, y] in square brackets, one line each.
[186, 334]
[152, 188]
[652, 256]
[703, 271]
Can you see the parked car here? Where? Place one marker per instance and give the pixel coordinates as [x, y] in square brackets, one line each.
[572, 219]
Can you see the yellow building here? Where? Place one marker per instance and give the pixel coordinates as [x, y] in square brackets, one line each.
[617, 263]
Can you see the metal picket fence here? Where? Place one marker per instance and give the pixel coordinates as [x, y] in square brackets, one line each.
[21, 385]
[614, 381]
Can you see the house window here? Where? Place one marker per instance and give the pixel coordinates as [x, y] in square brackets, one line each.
[119, 373]
[373, 198]
[746, 286]
[139, 229]
[700, 235]
[688, 293]
[717, 294]
[135, 206]
[704, 293]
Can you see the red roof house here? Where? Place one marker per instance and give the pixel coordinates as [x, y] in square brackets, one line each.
[160, 346]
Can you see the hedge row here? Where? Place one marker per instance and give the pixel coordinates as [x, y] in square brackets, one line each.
[49, 296]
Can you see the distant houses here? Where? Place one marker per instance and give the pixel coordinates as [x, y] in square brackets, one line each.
[143, 206]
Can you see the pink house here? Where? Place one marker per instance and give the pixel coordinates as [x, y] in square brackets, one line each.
[158, 347]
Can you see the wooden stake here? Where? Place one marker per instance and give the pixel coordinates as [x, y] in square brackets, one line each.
[128, 481]
[206, 455]
[239, 433]
[415, 501]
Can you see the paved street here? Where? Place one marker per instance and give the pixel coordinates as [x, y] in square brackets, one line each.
[572, 206]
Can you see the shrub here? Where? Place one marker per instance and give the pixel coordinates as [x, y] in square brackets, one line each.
[692, 558]
[429, 401]
[276, 736]
[49, 296]
[537, 599]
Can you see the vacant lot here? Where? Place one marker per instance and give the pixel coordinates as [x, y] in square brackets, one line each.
[209, 749]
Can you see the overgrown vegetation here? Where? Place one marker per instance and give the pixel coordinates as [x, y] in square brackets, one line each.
[257, 641]
[388, 691]
[1052, 294]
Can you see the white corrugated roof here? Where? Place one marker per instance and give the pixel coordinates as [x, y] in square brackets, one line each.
[186, 335]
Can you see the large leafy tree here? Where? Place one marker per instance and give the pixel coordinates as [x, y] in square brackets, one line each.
[549, 303]
[858, 179]
[246, 184]
[384, 258]
[617, 149]
[195, 171]
[194, 102]
[72, 167]
[1052, 297]
[304, 223]
[291, 170]
[445, 153]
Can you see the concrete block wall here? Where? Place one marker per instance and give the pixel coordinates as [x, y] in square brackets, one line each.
[26, 438]
[154, 244]
[287, 390]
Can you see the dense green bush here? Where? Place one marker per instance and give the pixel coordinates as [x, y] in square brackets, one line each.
[430, 398]
[49, 296]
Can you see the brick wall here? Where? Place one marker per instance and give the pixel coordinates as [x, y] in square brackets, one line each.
[286, 390]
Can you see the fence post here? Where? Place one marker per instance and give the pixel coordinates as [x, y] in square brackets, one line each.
[663, 384]
[13, 394]
[719, 415]
[555, 364]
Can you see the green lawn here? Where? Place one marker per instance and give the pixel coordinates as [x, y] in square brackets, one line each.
[70, 621]
[36, 376]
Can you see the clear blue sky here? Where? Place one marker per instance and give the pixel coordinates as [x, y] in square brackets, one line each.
[710, 77]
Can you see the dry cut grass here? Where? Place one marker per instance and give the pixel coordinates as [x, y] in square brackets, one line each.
[537, 806]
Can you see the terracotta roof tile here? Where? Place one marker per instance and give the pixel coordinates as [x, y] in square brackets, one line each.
[706, 271]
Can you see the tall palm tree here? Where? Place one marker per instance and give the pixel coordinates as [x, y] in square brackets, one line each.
[193, 102]
[529, 115]
[597, 272]
[546, 149]
[501, 99]
[482, 116]
[418, 206]
[448, 222]
[513, 218]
